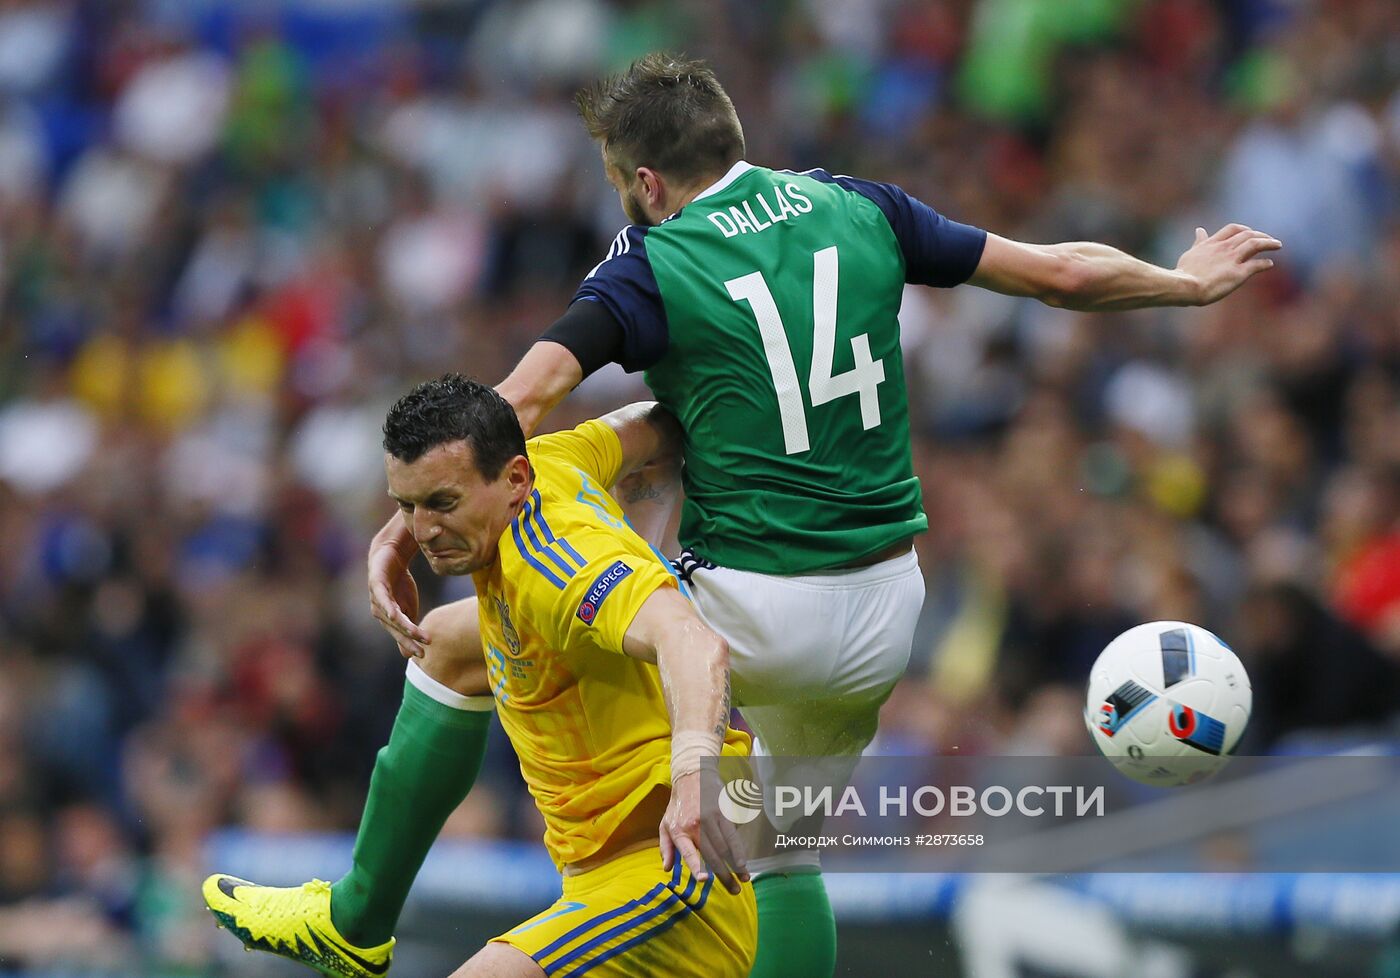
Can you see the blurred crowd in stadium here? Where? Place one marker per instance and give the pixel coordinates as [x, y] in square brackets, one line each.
[231, 233]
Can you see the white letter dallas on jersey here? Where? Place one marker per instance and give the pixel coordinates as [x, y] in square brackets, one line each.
[744, 218]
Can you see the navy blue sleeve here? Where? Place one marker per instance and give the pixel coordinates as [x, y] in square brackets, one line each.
[591, 334]
[937, 251]
[623, 284]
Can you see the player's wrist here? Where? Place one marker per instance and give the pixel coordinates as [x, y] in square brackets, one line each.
[690, 748]
[1189, 288]
[393, 544]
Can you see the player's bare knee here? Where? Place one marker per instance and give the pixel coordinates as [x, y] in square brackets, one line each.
[453, 657]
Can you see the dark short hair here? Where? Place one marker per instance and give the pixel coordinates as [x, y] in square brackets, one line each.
[666, 113]
[453, 408]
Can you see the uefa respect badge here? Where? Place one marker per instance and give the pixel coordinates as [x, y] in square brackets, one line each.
[605, 582]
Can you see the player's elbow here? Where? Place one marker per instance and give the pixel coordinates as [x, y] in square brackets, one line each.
[667, 432]
[719, 655]
[710, 647]
[704, 643]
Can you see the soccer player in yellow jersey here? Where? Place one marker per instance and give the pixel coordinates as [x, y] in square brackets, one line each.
[610, 686]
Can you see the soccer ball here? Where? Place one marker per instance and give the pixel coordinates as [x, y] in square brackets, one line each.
[1168, 702]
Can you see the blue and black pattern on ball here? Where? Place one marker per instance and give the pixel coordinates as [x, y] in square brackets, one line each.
[1178, 656]
[1194, 728]
[1122, 705]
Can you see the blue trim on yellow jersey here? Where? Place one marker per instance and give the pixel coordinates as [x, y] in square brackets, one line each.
[593, 943]
[680, 581]
[543, 550]
[705, 893]
[596, 921]
[564, 545]
[549, 535]
[568, 906]
[658, 928]
[689, 887]
[531, 559]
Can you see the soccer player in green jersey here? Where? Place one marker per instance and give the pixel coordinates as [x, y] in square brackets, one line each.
[762, 305]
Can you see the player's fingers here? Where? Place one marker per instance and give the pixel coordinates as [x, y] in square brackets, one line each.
[731, 847]
[408, 645]
[731, 857]
[734, 846]
[388, 613]
[691, 854]
[1201, 235]
[409, 628]
[382, 603]
[402, 623]
[1253, 245]
[718, 856]
[1229, 231]
[668, 848]
[722, 871]
[399, 626]
[1258, 265]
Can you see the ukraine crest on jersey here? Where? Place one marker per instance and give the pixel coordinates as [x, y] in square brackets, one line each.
[588, 722]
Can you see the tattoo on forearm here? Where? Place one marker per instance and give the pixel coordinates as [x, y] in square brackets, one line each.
[722, 726]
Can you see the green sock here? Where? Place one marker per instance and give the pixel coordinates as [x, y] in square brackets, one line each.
[796, 928]
[419, 779]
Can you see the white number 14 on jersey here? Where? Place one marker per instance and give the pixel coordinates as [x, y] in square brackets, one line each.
[822, 386]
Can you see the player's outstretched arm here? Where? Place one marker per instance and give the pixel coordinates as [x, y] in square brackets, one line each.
[542, 378]
[1092, 277]
[694, 664]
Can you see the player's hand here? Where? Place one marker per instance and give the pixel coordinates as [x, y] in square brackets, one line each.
[1222, 262]
[700, 836]
[393, 593]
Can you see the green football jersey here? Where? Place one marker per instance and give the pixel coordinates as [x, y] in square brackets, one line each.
[765, 314]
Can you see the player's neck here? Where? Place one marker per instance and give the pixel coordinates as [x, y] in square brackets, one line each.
[517, 508]
[690, 195]
[680, 197]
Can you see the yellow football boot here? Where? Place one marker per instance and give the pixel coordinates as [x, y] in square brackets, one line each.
[295, 922]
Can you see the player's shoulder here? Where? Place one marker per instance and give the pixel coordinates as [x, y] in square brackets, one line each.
[538, 552]
[592, 432]
[815, 173]
[627, 251]
[866, 197]
[592, 447]
[844, 181]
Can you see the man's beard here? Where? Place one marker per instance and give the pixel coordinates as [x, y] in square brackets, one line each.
[632, 207]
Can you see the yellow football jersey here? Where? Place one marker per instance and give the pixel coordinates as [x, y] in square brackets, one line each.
[588, 722]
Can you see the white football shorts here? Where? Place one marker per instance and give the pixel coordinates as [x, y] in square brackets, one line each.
[812, 657]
